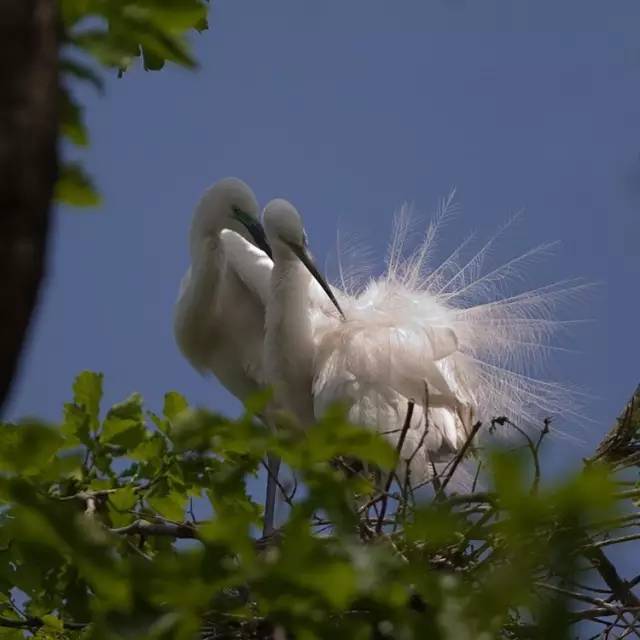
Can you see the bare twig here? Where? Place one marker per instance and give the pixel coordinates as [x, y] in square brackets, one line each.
[33, 624]
[459, 457]
[425, 431]
[609, 573]
[476, 477]
[534, 448]
[435, 478]
[611, 541]
[576, 595]
[84, 496]
[142, 527]
[401, 439]
[545, 430]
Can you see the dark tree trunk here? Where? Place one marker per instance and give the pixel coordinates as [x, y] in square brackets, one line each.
[28, 132]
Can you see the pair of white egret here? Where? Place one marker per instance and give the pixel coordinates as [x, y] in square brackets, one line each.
[254, 310]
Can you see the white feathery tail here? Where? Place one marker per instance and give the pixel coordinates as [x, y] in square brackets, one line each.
[452, 337]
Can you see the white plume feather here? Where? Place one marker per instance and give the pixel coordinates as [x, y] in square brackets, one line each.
[458, 327]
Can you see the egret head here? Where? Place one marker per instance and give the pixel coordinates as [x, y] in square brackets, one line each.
[229, 204]
[288, 239]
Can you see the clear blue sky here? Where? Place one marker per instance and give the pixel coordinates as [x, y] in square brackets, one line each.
[348, 109]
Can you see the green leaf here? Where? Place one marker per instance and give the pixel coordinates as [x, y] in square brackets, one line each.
[124, 424]
[76, 424]
[124, 498]
[109, 48]
[150, 450]
[27, 449]
[131, 408]
[87, 393]
[151, 61]
[123, 432]
[171, 506]
[194, 430]
[334, 436]
[75, 188]
[120, 503]
[171, 16]
[174, 404]
[72, 124]
[74, 10]
[82, 72]
[52, 622]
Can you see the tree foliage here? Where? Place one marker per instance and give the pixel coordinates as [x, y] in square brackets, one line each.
[134, 524]
[113, 34]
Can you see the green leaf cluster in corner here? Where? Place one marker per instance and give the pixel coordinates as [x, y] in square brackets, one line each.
[113, 34]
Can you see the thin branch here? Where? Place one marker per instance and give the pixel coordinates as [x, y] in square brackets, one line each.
[619, 587]
[84, 496]
[575, 595]
[611, 541]
[425, 431]
[144, 528]
[401, 439]
[32, 624]
[533, 447]
[459, 457]
[476, 477]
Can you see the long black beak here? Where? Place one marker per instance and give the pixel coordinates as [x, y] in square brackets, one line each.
[257, 233]
[307, 261]
[255, 229]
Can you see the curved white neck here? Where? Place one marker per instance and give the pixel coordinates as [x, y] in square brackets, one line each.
[289, 342]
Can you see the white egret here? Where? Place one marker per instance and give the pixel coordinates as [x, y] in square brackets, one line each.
[296, 346]
[289, 346]
[448, 330]
[220, 312]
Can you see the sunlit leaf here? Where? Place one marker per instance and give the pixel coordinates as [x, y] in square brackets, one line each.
[74, 187]
[174, 404]
[52, 622]
[87, 393]
[76, 425]
[171, 506]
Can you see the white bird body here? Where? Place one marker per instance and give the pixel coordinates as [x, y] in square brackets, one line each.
[415, 334]
[220, 311]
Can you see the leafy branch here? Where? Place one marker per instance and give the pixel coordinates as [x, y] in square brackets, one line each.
[129, 519]
[113, 34]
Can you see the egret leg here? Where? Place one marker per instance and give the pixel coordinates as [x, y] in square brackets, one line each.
[273, 467]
